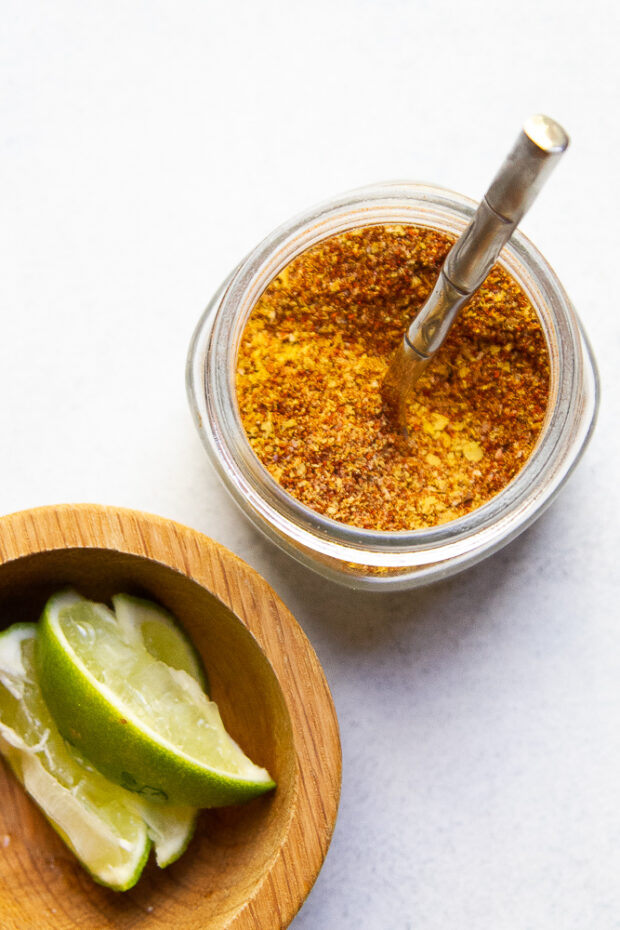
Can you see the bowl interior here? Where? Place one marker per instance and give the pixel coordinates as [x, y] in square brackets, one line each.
[41, 883]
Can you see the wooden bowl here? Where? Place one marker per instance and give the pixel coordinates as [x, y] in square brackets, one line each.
[249, 866]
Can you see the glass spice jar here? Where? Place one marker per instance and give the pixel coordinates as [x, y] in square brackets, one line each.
[363, 558]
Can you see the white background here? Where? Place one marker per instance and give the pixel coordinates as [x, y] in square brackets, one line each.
[145, 147]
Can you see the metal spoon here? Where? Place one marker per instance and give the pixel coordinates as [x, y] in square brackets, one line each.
[535, 153]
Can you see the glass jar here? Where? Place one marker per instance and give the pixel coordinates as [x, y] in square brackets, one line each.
[363, 558]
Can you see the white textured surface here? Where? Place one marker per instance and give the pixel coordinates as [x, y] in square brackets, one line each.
[144, 148]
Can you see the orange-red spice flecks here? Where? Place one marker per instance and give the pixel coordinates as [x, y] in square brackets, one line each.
[312, 359]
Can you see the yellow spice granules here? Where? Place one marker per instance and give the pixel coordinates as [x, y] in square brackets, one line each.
[312, 359]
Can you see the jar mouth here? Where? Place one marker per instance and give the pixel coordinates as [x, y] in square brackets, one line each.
[211, 385]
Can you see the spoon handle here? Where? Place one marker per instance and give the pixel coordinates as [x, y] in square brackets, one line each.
[513, 190]
[516, 185]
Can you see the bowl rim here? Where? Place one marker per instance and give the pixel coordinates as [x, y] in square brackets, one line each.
[204, 561]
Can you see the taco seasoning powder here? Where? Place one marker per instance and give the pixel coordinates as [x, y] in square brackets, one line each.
[312, 359]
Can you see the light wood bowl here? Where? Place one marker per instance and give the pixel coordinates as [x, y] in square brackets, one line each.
[249, 866]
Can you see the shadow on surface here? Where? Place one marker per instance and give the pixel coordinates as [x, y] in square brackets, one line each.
[345, 624]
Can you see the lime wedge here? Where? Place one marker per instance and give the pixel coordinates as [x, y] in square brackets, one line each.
[158, 631]
[170, 827]
[97, 820]
[147, 726]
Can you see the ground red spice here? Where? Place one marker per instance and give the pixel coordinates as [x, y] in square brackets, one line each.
[312, 359]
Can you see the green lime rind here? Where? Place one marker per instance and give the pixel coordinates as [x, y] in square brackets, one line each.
[161, 635]
[97, 820]
[108, 732]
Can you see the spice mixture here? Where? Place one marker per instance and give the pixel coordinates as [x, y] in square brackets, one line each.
[312, 359]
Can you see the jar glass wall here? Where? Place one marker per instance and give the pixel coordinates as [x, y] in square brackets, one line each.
[365, 558]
